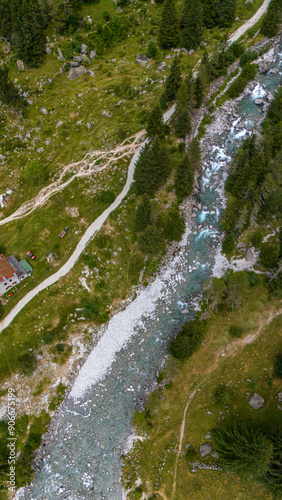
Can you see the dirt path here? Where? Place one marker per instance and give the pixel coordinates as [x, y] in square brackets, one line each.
[250, 23]
[227, 352]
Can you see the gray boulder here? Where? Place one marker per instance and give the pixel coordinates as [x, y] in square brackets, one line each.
[105, 113]
[184, 311]
[85, 59]
[256, 401]
[205, 449]
[6, 48]
[76, 72]
[249, 255]
[74, 64]
[191, 52]
[60, 55]
[84, 48]
[20, 65]
[92, 54]
[59, 124]
[162, 66]
[142, 59]
[208, 435]
[48, 50]
[44, 111]
[78, 59]
[259, 102]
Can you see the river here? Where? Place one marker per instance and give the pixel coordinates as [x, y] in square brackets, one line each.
[82, 458]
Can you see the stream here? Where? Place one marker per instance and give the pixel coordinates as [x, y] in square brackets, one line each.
[82, 457]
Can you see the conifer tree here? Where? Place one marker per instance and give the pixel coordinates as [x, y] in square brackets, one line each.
[270, 22]
[173, 81]
[219, 13]
[143, 214]
[155, 124]
[184, 178]
[30, 38]
[191, 24]
[152, 168]
[5, 19]
[169, 26]
[8, 93]
[199, 90]
[195, 154]
[190, 84]
[182, 122]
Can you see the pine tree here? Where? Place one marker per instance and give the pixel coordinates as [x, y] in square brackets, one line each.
[143, 214]
[270, 23]
[155, 124]
[169, 26]
[195, 154]
[182, 122]
[219, 13]
[173, 81]
[190, 84]
[152, 168]
[5, 19]
[174, 225]
[184, 178]
[8, 93]
[199, 90]
[30, 38]
[191, 24]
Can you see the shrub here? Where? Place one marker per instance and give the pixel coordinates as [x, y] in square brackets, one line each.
[252, 278]
[222, 396]
[248, 57]
[278, 366]
[27, 363]
[269, 255]
[228, 244]
[188, 339]
[91, 308]
[256, 239]
[191, 454]
[235, 331]
[138, 492]
[151, 241]
[107, 197]
[152, 50]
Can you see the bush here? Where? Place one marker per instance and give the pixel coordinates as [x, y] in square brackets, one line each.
[269, 255]
[107, 197]
[188, 339]
[138, 492]
[174, 225]
[27, 363]
[278, 366]
[256, 239]
[192, 454]
[235, 331]
[34, 174]
[252, 278]
[152, 50]
[228, 244]
[151, 241]
[247, 57]
[91, 308]
[222, 396]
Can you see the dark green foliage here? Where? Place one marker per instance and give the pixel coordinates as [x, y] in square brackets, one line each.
[188, 339]
[143, 214]
[169, 26]
[107, 197]
[192, 454]
[195, 154]
[91, 308]
[222, 396]
[228, 244]
[35, 174]
[278, 366]
[5, 19]
[155, 125]
[235, 331]
[248, 57]
[182, 123]
[173, 81]
[27, 363]
[29, 34]
[252, 278]
[152, 50]
[191, 24]
[236, 88]
[138, 492]
[152, 167]
[244, 450]
[219, 13]
[199, 90]
[269, 255]
[174, 225]
[256, 238]
[151, 241]
[184, 178]
[270, 23]
[8, 93]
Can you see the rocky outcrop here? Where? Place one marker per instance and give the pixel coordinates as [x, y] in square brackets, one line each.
[76, 72]
[142, 59]
[256, 401]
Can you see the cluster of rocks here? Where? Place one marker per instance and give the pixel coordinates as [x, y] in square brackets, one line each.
[77, 67]
[249, 252]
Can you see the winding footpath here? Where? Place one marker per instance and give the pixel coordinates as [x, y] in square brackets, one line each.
[250, 23]
[89, 233]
